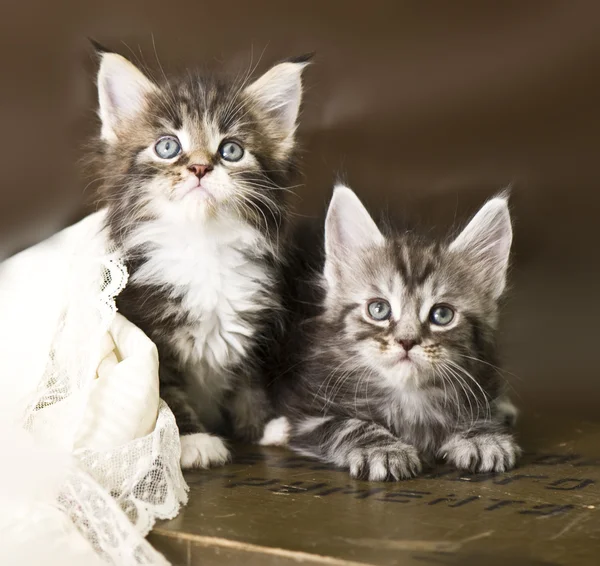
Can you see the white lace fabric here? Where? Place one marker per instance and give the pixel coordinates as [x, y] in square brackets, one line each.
[80, 412]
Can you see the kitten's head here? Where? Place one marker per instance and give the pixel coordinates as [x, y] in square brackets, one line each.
[414, 312]
[198, 146]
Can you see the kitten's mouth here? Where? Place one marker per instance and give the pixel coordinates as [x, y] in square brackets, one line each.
[404, 358]
[196, 188]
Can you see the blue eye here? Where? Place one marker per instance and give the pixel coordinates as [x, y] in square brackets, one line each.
[441, 315]
[379, 309]
[167, 147]
[231, 151]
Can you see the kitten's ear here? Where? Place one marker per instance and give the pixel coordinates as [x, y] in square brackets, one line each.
[278, 93]
[348, 229]
[486, 240]
[122, 92]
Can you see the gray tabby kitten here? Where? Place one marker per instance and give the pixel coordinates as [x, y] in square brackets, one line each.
[194, 173]
[395, 364]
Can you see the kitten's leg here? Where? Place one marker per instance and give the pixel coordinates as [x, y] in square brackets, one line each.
[185, 415]
[366, 448]
[198, 448]
[249, 410]
[483, 447]
[505, 411]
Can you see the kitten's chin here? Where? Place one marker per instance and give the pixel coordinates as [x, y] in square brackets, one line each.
[200, 199]
[407, 373]
[196, 194]
[194, 190]
[194, 208]
[199, 202]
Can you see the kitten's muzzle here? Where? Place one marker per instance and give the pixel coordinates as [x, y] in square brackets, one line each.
[200, 170]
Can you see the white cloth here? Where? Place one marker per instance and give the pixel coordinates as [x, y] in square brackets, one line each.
[90, 452]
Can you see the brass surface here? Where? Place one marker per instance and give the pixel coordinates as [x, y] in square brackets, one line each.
[273, 507]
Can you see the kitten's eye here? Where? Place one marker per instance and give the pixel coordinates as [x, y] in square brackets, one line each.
[379, 309]
[231, 151]
[441, 315]
[167, 147]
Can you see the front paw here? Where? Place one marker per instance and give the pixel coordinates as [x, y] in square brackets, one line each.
[391, 462]
[202, 450]
[487, 452]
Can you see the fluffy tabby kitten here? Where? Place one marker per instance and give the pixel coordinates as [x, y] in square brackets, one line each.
[194, 172]
[395, 365]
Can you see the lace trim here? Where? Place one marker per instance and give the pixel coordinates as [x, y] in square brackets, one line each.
[113, 497]
[114, 280]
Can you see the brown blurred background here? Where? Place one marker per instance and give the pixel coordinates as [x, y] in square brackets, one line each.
[422, 107]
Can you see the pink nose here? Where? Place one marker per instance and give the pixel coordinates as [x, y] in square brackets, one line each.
[200, 170]
[407, 344]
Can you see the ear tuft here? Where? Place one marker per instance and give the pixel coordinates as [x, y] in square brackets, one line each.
[486, 241]
[98, 47]
[306, 58]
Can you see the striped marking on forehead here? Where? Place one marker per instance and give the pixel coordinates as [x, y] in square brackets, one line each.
[415, 263]
[193, 97]
[220, 101]
[202, 136]
[405, 277]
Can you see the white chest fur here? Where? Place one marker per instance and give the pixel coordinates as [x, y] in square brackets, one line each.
[206, 266]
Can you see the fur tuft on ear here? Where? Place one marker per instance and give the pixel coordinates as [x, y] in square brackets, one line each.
[279, 94]
[486, 241]
[98, 47]
[122, 91]
[348, 229]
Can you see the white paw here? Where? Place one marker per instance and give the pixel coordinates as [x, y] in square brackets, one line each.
[481, 453]
[202, 450]
[395, 461]
[277, 433]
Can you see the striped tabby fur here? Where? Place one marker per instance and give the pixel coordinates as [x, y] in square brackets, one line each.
[382, 397]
